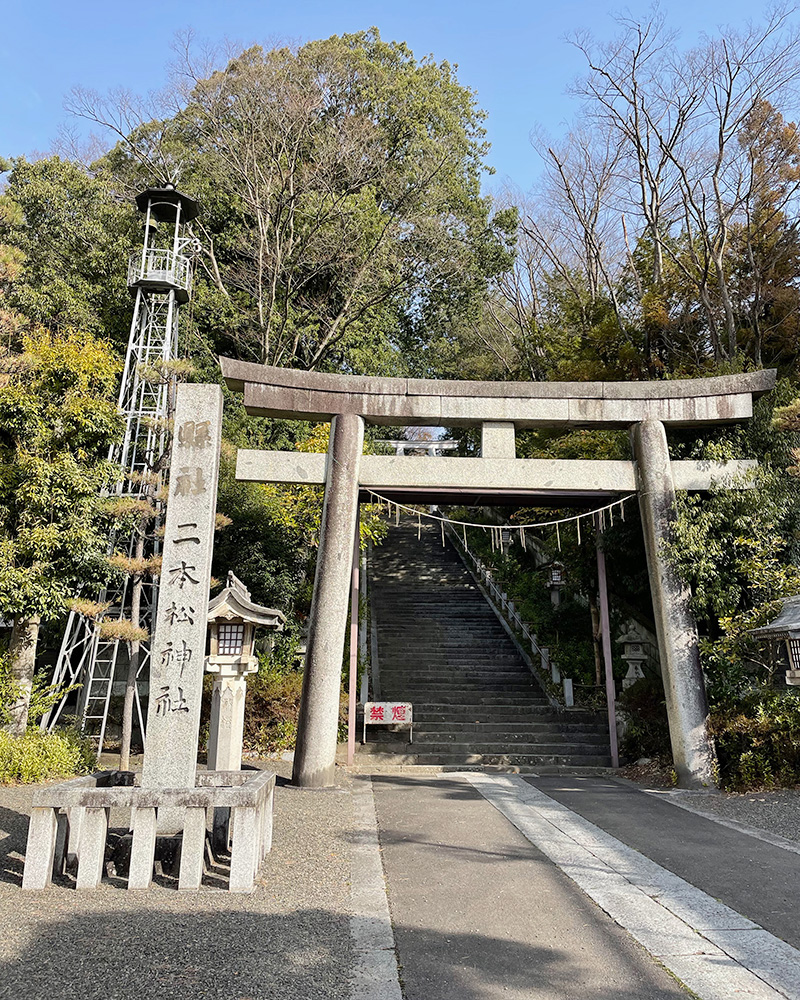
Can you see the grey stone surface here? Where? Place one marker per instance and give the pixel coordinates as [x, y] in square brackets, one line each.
[315, 752]
[41, 849]
[287, 940]
[226, 730]
[498, 473]
[567, 410]
[94, 829]
[192, 849]
[720, 978]
[375, 974]
[143, 824]
[687, 710]
[178, 650]
[221, 788]
[766, 956]
[279, 392]
[498, 440]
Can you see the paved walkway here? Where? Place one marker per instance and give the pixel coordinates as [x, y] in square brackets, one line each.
[434, 887]
[480, 913]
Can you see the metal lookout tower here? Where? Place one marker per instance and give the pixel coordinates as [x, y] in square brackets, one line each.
[159, 276]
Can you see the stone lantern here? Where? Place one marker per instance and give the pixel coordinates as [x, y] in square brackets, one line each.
[635, 654]
[233, 619]
[555, 582]
[787, 627]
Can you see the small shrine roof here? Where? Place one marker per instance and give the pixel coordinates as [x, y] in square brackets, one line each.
[234, 602]
[787, 621]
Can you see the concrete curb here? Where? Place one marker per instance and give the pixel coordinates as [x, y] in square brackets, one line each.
[710, 948]
[375, 974]
[674, 797]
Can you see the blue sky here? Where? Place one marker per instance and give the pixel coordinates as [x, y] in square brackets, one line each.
[514, 54]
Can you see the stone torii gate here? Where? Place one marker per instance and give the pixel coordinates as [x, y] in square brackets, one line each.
[500, 408]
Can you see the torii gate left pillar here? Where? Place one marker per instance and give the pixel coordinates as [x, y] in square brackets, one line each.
[318, 724]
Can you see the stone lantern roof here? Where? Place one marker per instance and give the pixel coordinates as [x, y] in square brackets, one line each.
[234, 603]
[786, 625]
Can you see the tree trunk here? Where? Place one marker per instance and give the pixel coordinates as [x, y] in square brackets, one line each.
[727, 305]
[133, 666]
[22, 659]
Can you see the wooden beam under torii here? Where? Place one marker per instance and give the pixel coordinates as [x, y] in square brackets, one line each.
[500, 409]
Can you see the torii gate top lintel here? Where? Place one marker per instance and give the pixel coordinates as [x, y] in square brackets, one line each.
[289, 393]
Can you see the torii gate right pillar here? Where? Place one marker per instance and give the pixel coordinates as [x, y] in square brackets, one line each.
[687, 709]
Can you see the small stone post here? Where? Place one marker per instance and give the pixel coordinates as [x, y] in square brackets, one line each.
[315, 753]
[226, 731]
[178, 651]
[687, 709]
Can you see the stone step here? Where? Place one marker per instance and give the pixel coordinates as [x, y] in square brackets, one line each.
[490, 668]
[489, 748]
[458, 679]
[364, 759]
[496, 714]
[502, 738]
[455, 695]
[480, 651]
[427, 739]
[441, 647]
[511, 729]
[468, 706]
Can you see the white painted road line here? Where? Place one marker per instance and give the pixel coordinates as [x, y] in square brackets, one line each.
[715, 951]
[375, 961]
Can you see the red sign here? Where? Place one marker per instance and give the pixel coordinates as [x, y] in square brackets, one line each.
[388, 713]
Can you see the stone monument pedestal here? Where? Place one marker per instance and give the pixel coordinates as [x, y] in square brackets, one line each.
[71, 820]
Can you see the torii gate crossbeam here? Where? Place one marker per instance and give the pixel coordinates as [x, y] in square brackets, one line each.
[500, 408]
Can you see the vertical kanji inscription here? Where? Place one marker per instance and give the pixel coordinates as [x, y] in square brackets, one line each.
[176, 671]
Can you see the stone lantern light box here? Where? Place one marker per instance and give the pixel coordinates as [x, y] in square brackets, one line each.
[636, 654]
[787, 627]
[233, 619]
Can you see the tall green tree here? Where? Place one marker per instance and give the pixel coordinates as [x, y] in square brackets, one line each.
[58, 416]
[340, 185]
[71, 234]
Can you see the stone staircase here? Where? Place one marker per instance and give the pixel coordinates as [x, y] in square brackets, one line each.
[441, 647]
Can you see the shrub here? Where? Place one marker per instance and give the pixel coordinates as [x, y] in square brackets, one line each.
[758, 740]
[273, 702]
[647, 730]
[39, 756]
[43, 694]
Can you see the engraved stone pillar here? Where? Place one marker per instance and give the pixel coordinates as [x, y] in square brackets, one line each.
[315, 753]
[226, 730]
[687, 710]
[178, 651]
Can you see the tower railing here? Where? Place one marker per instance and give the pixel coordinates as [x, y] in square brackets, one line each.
[160, 269]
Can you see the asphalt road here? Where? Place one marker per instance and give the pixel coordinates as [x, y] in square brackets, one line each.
[479, 913]
[754, 878]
